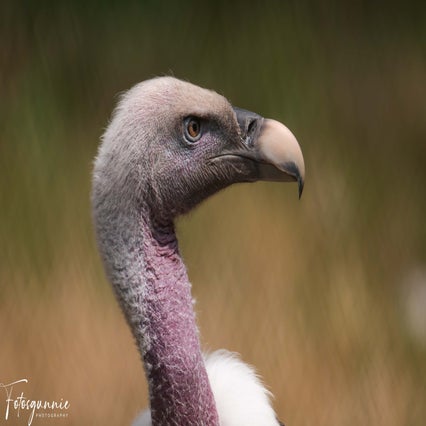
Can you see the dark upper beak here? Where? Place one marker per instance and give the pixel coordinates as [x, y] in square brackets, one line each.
[273, 146]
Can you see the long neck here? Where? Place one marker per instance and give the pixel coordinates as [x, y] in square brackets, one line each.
[152, 286]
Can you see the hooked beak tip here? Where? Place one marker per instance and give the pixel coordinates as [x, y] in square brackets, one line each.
[300, 184]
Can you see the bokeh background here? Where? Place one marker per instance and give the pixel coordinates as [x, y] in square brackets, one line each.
[326, 296]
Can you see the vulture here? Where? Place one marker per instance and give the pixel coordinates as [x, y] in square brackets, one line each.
[170, 145]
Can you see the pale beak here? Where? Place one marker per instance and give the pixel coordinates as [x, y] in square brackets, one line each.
[273, 146]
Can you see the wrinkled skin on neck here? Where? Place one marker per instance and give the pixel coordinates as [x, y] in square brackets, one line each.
[179, 388]
[142, 260]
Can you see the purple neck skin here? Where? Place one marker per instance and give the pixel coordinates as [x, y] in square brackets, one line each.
[179, 388]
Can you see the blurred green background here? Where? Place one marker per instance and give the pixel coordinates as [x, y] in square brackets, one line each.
[326, 296]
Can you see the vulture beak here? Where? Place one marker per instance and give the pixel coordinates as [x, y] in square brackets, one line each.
[272, 145]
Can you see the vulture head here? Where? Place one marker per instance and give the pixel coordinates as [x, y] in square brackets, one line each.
[179, 144]
[169, 146]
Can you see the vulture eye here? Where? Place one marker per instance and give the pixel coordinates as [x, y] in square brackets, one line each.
[192, 128]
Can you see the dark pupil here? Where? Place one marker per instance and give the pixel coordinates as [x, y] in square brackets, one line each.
[193, 128]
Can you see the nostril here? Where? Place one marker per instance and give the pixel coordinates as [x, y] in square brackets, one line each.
[251, 126]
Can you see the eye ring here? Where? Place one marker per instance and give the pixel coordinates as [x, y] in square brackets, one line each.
[192, 129]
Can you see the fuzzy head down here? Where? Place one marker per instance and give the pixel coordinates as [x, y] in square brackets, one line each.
[148, 157]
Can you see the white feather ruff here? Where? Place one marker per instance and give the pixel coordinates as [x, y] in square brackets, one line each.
[241, 398]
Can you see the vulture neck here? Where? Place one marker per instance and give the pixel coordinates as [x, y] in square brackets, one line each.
[166, 331]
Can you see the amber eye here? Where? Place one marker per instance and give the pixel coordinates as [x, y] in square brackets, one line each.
[192, 129]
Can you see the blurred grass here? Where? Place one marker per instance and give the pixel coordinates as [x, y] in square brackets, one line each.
[313, 293]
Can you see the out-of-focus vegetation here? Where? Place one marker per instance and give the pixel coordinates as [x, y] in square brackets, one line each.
[325, 296]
